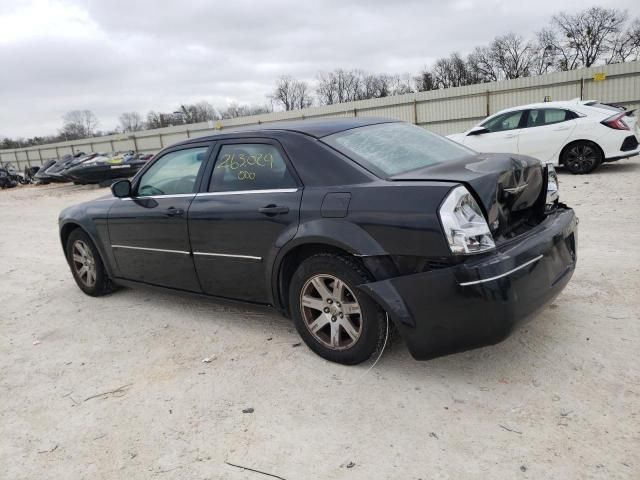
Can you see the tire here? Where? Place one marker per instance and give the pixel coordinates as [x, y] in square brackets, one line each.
[81, 252]
[342, 335]
[581, 157]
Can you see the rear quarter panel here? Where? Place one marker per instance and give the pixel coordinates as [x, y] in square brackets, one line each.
[383, 218]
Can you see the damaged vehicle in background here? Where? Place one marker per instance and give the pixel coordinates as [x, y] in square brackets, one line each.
[10, 177]
[345, 225]
[82, 168]
[54, 173]
[99, 168]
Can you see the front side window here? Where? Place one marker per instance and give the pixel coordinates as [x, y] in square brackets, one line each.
[256, 166]
[392, 148]
[547, 116]
[506, 121]
[174, 173]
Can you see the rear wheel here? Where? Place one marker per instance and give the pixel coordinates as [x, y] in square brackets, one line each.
[332, 317]
[86, 264]
[581, 157]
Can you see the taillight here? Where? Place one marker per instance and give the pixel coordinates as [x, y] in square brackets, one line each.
[616, 122]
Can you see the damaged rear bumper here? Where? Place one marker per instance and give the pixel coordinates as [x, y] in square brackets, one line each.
[480, 301]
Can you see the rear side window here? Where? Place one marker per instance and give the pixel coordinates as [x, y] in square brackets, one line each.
[254, 166]
[506, 121]
[548, 116]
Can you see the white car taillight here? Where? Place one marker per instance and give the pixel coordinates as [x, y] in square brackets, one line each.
[616, 122]
[553, 187]
[464, 225]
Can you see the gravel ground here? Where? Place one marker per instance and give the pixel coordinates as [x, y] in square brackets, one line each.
[559, 399]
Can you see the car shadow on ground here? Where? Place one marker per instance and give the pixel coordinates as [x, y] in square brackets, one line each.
[478, 365]
[626, 165]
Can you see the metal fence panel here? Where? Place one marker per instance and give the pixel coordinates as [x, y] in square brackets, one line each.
[443, 111]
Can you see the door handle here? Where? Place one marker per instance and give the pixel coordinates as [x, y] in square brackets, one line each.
[561, 128]
[511, 135]
[174, 212]
[272, 210]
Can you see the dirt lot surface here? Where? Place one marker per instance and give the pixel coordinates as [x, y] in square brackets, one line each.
[559, 399]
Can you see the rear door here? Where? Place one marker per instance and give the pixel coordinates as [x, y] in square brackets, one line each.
[149, 232]
[545, 133]
[502, 136]
[249, 210]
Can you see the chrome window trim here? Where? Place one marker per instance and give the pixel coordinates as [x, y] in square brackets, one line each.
[490, 279]
[211, 194]
[176, 195]
[162, 250]
[247, 192]
[209, 254]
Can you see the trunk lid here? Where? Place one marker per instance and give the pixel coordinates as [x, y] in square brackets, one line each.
[508, 187]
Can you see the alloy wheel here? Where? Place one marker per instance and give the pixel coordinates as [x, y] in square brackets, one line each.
[84, 263]
[582, 158]
[331, 312]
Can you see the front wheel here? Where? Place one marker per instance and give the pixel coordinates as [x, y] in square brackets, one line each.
[581, 157]
[86, 265]
[335, 320]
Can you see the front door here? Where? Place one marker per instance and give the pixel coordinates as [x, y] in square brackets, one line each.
[148, 232]
[502, 135]
[250, 209]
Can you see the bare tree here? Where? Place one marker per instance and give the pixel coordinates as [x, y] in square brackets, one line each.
[451, 72]
[374, 86]
[291, 93]
[399, 84]
[626, 45]
[424, 81]
[234, 110]
[131, 122]
[545, 56]
[588, 35]
[197, 112]
[512, 55]
[482, 66]
[160, 120]
[341, 86]
[326, 91]
[78, 124]
[561, 54]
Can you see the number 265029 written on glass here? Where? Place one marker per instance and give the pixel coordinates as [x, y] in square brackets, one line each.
[235, 161]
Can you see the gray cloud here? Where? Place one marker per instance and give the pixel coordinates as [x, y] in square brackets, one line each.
[112, 56]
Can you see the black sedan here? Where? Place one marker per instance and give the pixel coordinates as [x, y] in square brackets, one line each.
[348, 226]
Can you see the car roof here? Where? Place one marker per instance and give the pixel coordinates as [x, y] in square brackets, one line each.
[313, 128]
[571, 104]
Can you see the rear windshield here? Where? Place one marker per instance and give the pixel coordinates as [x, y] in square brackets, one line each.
[392, 148]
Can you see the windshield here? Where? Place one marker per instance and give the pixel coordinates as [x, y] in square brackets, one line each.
[392, 148]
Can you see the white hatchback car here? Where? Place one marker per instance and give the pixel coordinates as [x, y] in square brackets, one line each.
[577, 134]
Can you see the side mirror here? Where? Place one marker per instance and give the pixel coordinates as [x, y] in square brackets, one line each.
[121, 189]
[478, 131]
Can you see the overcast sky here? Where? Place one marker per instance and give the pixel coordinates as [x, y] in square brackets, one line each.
[112, 56]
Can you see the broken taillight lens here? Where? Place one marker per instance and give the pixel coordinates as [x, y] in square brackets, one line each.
[464, 224]
[553, 188]
[616, 122]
